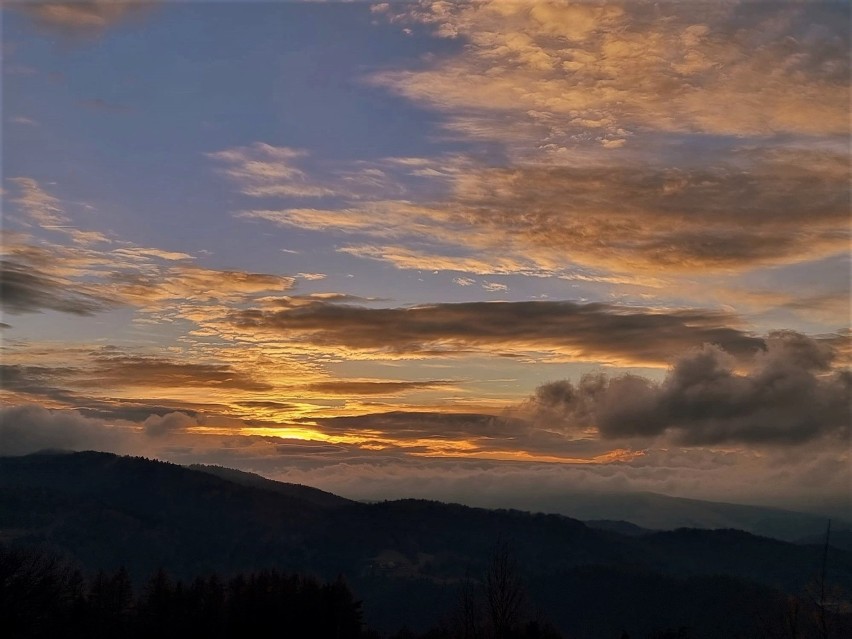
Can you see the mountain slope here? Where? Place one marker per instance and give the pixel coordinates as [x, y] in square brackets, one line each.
[405, 558]
[307, 493]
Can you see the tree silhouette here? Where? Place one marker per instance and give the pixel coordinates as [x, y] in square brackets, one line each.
[504, 591]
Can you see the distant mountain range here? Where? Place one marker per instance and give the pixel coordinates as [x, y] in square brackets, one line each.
[661, 512]
[406, 558]
[629, 513]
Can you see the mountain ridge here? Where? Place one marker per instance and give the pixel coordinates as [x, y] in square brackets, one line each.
[105, 511]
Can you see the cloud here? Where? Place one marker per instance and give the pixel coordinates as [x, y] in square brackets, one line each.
[471, 435]
[84, 281]
[135, 371]
[43, 382]
[406, 257]
[99, 382]
[24, 289]
[787, 395]
[375, 387]
[41, 207]
[414, 434]
[82, 16]
[495, 287]
[28, 429]
[569, 73]
[47, 212]
[732, 476]
[263, 170]
[99, 104]
[620, 218]
[136, 410]
[464, 281]
[76, 277]
[160, 285]
[722, 212]
[158, 425]
[23, 120]
[563, 330]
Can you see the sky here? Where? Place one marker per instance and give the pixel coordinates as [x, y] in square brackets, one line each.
[472, 251]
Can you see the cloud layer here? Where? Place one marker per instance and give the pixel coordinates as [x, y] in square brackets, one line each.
[581, 332]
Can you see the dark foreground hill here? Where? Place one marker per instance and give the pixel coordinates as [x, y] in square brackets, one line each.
[408, 560]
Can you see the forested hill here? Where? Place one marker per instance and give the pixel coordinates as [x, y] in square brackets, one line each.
[405, 558]
[300, 491]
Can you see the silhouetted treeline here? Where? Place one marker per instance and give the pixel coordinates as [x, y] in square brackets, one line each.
[41, 596]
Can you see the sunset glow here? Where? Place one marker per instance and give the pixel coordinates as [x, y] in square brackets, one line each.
[364, 245]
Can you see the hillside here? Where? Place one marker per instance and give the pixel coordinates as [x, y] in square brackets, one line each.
[406, 558]
[306, 493]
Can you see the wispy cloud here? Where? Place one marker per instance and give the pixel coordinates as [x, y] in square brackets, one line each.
[40, 207]
[263, 170]
[165, 284]
[495, 287]
[23, 120]
[82, 16]
[85, 271]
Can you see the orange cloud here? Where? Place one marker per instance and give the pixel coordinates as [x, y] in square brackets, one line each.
[623, 221]
[572, 72]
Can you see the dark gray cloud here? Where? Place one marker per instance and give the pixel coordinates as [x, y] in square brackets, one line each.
[427, 424]
[45, 382]
[580, 331]
[25, 289]
[152, 371]
[27, 429]
[38, 381]
[104, 368]
[478, 433]
[788, 395]
[138, 410]
[158, 425]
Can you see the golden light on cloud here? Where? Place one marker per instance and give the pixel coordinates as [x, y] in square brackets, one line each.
[568, 69]
[613, 456]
